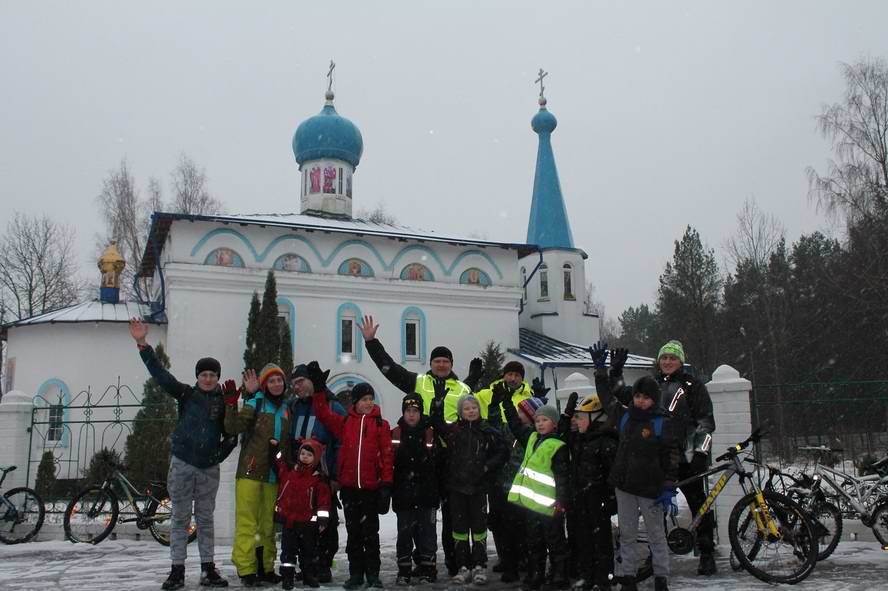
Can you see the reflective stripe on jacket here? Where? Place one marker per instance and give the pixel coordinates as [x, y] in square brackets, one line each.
[425, 387]
[534, 485]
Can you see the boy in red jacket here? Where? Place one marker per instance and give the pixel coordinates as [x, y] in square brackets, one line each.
[303, 504]
[365, 472]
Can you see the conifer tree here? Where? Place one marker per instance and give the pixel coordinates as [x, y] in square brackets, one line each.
[492, 359]
[268, 331]
[101, 465]
[148, 446]
[252, 321]
[46, 476]
[285, 357]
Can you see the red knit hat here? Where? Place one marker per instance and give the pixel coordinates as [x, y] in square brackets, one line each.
[268, 371]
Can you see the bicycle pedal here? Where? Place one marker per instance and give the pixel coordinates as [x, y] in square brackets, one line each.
[680, 540]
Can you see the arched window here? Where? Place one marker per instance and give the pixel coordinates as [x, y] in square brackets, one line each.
[474, 276]
[544, 282]
[355, 268]
[291, 262]
[224, 257]
[413, 334]
[54, 396]
[523, 285]
[416, 272]
[568, 282]
[349, 344]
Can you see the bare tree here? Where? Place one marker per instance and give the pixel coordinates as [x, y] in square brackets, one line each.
[855, 184]
[758, 236]
[190, 193]
[377, 215]
[126, 219]
[38, 268]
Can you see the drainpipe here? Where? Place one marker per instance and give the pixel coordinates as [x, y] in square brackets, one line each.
[529, 277]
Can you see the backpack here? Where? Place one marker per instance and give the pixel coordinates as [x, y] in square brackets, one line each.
[657, 423]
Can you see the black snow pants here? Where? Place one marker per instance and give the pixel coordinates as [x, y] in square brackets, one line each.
[507, 522]
[468, 516]
[300, 540]
[590, 539]
[362, 526]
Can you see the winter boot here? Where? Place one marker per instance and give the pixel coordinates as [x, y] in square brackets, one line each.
[404, 574]
[660, 584]
[250, 581]
[262, 575]
[428, 573]
[707, 565]
[373, 581]
[325, 575]
[355, 578]
[210, 577]
[462, 576]
[288, 577]
[310, 577]
[176, 580]
[628, 584]
[479, 575]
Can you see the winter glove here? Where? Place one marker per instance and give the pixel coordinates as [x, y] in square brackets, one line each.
[667, 500]
[499, 394]
[384, 496]
[618, 359]
[440, 389]
[571, 407]
[539, 390]
[598, 352]
[318, 378]
[230, 393]
[475, 369]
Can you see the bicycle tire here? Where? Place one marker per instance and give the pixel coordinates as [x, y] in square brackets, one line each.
[880, 523]
[29, 509]
[794, 526]
[97, 505]
[158, 532]
[828, 517]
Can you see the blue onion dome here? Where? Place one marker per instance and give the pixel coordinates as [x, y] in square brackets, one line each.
[328, 135]
[543, 121]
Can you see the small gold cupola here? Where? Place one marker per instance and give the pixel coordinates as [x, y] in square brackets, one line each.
[111, 265]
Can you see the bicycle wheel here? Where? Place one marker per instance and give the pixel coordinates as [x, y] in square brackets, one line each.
[827, 528]
[880, 523]
[161, 517]
[642, 550]
[788, 556]
[91, 515]
[22, 518]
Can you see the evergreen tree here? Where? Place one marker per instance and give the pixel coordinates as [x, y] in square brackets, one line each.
[268, 331]
[286, 354]
[638, 331]
[101, 465]
[492, 359]
[46, 476]
[688, 300]
[148, 446]
[252, 321]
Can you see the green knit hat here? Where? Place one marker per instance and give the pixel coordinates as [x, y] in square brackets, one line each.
[672, 348]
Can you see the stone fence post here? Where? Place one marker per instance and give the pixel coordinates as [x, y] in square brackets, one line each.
[733, 423]
[223, 516]
[15, 419]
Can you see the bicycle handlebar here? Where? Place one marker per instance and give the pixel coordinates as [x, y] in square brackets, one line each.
[755, 437]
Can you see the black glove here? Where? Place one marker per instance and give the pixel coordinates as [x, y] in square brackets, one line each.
[317, 376]
[499, 394]
[475, 369]
[571, 407]
[598, 352]
[440, 389]
[539, 390]
[384, 496]
[618, 359]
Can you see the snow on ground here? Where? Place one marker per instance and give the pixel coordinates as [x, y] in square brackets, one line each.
[143, 565]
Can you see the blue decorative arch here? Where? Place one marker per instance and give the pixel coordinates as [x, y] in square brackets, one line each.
[215, 257]
[359, 342]
[223, 231]
[65, 400]
[416, 272]
[355, 242]
[423, 331]
[421, 248]
[314, 249]
[478, 253]
[348, 379]
[281, 301]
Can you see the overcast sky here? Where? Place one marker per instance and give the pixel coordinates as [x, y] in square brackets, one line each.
[670, 113]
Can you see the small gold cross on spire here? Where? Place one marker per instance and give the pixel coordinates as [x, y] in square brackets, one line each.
[542, 74]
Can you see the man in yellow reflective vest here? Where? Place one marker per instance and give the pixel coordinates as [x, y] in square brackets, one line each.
[541, 488]
[439, 380]
[513, 377]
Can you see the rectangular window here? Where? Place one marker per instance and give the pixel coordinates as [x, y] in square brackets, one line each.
[544, 283]
[340, 181]
[56, 417]
[347, 336]
[411, 335]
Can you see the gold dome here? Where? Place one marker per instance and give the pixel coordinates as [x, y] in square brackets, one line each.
[111, 265]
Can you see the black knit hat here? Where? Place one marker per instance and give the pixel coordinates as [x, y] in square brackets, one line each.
[208, 364]
[649, 387]
[515, 366]
[411, 401]
[361, 390]
[441, 352]
[313, 372]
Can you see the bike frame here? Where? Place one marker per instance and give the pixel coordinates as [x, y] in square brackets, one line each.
[129, 489]
[863, 489]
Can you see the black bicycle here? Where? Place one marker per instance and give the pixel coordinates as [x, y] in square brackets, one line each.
[21, 512]
[91, 516]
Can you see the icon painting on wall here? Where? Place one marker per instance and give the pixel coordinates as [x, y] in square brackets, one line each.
[314, 176]
[329, 179]
[475, 276]
[224, 257]
[416, 272]
[292, 262]
[355, 268]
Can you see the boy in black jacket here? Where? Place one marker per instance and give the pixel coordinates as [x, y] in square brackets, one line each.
[415, 492]
[476, 452]
[541, 487]
[593, 448]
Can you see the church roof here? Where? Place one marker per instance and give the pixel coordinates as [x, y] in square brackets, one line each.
[546, 351]
[161, 223]
[91, 311]
[328, 135]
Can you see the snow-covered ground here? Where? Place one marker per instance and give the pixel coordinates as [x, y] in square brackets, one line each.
[143, 565]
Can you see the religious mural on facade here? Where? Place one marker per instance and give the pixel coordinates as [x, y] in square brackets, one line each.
[291, 262]
[475, 276]
[329, 179]
[355, 268]
[224, 257]
[314, 176]
[416, 272]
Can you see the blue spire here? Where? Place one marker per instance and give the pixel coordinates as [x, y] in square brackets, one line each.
[548, 225]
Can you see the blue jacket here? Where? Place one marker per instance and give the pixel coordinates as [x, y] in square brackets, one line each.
[304, 424]
[197, 439]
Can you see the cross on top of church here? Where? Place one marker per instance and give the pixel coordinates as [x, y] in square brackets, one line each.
[329, 94]
[542, 74]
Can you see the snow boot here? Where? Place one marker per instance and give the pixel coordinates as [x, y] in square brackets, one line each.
[210, 577]
[310, 578]
[262, 575]
[250, 580]
[479, 575]
[355, 578]
[428, 573]
[176, 580]
[404, 574]
[707, 565]
[660, 584]
[288, 577]
[628, 584]
[325, 574]
[373, 581]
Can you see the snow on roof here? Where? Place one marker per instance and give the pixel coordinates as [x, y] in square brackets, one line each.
[92, 311]
[544, 350]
